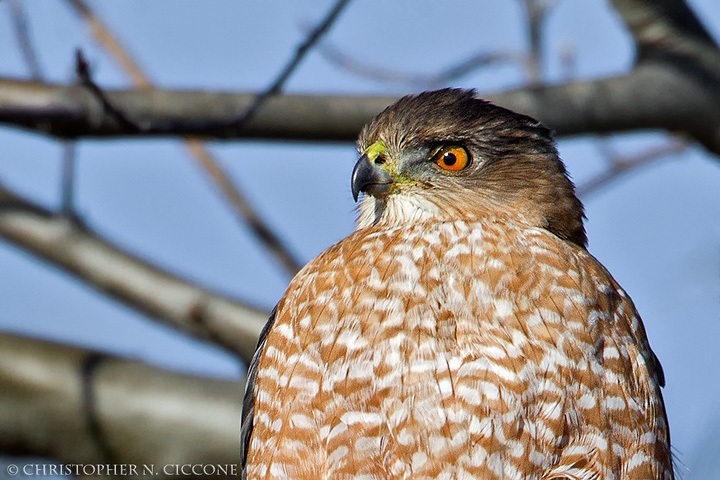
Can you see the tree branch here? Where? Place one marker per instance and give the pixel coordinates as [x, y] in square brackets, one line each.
[689, 68]
[124, 277]
[637, 101]
[70, 111]
[665, 25]
[81, 407]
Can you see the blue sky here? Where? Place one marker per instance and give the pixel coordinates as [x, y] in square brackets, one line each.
[656, 230]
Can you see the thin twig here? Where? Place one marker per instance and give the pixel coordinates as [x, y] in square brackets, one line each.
[67, 201]
[82, 70]
[103, 35]
[24, 40]
[268, 238]
[257, 225]
[536, 12]
[568, 62]
[606, 149]
[302, 50]
[67, 181]
[621, 165]
[445, 77]
[27, 48]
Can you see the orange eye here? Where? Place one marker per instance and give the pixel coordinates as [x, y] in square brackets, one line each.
[452, 158]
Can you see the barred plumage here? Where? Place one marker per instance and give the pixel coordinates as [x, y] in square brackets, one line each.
[463, 331]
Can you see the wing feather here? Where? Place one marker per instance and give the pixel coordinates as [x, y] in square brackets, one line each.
[248, 410]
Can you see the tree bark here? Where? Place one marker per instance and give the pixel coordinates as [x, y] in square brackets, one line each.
[82, 407]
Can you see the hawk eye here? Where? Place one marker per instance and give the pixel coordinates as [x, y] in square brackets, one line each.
[452, 158]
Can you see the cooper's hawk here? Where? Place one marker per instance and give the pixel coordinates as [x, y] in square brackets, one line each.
[463, 330]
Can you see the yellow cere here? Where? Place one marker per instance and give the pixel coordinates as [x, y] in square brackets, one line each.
[375, 150]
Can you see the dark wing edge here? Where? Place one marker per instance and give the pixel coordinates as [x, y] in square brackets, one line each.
[248, 408]
[658, 369]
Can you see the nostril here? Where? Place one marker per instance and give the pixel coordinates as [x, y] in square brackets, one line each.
[380, 160]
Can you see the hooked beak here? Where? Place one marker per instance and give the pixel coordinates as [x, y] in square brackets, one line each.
[369, 178]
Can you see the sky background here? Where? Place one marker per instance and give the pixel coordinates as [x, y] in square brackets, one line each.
[657, 230]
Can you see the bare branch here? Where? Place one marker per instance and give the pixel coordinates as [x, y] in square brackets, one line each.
[302, 50]
[667, 31]
[56, 400]
[268, 238]
[24, 40]
[69, 111]
[668, 26]
[107, 268]
[241, 206]
[638, 101]
[621, 165]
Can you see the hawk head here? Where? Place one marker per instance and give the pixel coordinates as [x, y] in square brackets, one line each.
[446, 155]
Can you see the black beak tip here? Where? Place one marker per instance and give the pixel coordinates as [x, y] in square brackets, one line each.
[369, 178]
[360, 175]
[354, 185]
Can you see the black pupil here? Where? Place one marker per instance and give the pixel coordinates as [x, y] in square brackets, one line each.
[449, 159]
